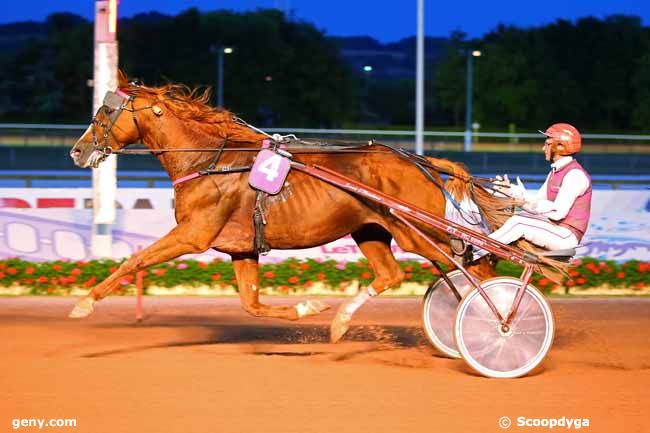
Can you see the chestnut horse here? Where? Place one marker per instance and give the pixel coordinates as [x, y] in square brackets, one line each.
[215, 211]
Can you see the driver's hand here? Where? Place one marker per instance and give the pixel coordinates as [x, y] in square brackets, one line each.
[501, 182]
[505, 187]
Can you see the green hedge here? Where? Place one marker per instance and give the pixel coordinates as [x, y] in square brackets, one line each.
[290, 275]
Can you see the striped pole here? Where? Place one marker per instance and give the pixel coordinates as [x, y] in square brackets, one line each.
[104, 79]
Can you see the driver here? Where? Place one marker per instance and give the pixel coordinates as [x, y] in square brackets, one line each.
[559, 212]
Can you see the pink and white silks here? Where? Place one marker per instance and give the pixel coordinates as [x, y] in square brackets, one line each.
[561, 210]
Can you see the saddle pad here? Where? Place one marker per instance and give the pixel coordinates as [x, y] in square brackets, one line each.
[269, 172]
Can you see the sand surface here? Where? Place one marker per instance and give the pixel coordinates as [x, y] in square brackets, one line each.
[204, 365]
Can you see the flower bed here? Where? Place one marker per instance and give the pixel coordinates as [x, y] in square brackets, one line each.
[291, 276]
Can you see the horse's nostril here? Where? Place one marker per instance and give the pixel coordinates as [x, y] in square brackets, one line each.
[75, 152]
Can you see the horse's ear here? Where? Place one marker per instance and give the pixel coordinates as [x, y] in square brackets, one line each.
[122, 79]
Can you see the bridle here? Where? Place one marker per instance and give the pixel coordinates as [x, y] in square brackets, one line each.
[113, 105]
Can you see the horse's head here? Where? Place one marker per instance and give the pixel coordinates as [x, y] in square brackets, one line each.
[111, 129]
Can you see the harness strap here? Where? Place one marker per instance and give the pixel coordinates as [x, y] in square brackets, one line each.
[186, 178]
[259, 221]
[222, 170]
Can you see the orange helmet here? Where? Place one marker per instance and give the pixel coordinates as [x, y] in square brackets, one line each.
[566, 135]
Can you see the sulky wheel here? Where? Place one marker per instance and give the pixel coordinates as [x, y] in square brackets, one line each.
[497, 352]
[439, 312]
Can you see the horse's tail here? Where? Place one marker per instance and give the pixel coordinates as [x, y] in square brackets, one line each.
[494, 209]
[460, 184]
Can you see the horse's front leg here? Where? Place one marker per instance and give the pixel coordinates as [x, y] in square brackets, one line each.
[248, 281]
[185, 238]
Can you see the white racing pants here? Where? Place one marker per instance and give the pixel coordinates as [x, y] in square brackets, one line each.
[542, 233]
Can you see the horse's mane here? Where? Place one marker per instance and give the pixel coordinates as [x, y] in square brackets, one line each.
[192, 104]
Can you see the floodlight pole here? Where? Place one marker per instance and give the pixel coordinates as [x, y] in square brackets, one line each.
[469, 97]
[220, 77]
[104, 79]
[419, 82]
[220, 51]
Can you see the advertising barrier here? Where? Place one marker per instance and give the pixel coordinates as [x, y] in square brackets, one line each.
[55, 224]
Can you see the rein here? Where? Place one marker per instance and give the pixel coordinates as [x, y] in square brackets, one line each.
[242, 149]
[115, 103]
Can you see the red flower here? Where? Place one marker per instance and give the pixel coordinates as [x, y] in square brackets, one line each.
[434, 271]
[50, 290]
[80, 263]
[293, 266]
[12, 271]
[602, 264]
[639, 286]
[284, 288]
[425, 265]
[596, 271]
[203, 265]
[570, 283]
[304, 266]
[581, 281]
[573, 273]
[409, 268]
[29, 270]
[112, 269]
[620, 275]
[3, 265]
[90, 281]
[366, 275]
[360, 264]
[2, 274]
[56, 267]
[216, 276]
[29, 281]
[543, 282]
[320, 276]
[269, 274]
[308, 284]
[42, 279]
[294, 280]
[76, 271]
[408, 276]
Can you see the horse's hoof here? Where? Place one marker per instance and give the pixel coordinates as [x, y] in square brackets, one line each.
[310, 308]
[339, 326]
[82, 309]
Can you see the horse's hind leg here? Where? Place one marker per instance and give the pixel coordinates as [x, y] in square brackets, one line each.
[248, 281]
[374, 243]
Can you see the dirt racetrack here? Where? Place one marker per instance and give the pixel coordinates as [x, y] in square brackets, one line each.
[204, 365]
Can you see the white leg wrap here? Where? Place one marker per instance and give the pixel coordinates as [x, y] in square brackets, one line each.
[310, 308]
[356, 302]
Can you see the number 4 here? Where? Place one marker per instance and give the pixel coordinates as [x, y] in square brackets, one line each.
[270, 167]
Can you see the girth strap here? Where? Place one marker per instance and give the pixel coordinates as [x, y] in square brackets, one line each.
[259, 221]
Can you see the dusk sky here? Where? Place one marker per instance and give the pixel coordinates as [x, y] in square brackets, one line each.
[383, 20]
